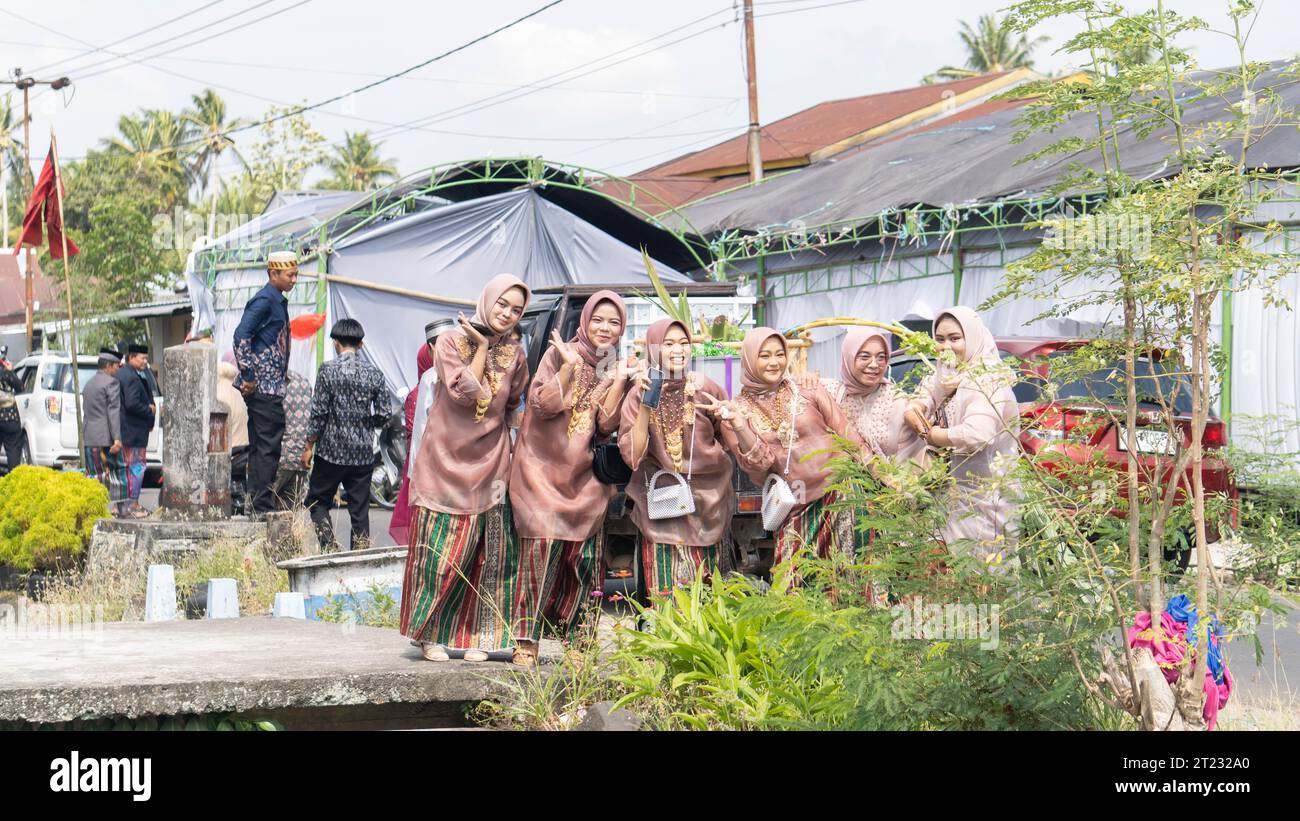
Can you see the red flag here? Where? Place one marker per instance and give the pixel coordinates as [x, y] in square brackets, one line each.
[43, 195]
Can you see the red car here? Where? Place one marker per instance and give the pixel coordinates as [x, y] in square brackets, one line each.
[1079, 423]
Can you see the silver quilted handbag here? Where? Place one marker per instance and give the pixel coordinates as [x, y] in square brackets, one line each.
[778, 498]
[675, 498]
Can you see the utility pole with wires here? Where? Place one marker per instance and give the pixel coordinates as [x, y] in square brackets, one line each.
[25, 84]
[754, 153]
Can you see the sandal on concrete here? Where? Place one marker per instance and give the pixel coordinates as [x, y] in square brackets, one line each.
[433, 652]
[475, 655]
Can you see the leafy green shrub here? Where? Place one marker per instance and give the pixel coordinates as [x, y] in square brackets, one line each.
[47, 516]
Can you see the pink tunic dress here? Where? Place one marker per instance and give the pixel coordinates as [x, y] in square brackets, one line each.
[464, 458]
[818, 420]
[553, 492]
[710, 469]
[982, 418]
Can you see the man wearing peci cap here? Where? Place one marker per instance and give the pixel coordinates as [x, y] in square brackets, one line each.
[138, 415]
[262, 356]
[418, 402]
[101, 408]
[351, 400]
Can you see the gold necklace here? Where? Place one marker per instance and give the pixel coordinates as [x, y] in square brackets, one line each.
[500, 356]
[675, 434]
[580, 416]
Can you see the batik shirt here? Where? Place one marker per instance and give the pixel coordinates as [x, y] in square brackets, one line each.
[297, 414]
[351, 401]
[262, 342]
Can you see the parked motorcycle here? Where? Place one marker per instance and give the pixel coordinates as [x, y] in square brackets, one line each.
[391, 443]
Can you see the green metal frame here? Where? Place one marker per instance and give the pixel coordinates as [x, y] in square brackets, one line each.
[400, 197]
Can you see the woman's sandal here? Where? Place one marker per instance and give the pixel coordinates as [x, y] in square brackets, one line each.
[433, 652]
[475, 655]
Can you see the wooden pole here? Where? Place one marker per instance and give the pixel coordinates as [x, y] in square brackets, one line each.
[751, 72]
[31, 258]
[393, 289]
[67, 287]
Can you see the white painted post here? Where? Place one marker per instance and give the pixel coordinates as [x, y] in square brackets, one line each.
[223, 599]
[160, 595]
[290, 606]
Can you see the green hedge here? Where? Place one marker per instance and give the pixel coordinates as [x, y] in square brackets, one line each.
[47, 516]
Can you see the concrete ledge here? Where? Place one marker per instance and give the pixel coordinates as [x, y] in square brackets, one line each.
[248, 666]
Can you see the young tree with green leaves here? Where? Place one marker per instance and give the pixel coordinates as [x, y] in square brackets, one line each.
[1193, 223]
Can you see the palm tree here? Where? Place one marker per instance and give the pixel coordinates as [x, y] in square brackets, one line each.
[12, 158]
[356, 164]
[208, 119]
[991, 47]
[156, 143]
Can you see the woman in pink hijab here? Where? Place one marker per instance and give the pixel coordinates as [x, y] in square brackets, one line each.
[559, 504]
[875, 407]
[771, 428]
[463, 558]
[399, 525]
[678, 436]
[968, 410]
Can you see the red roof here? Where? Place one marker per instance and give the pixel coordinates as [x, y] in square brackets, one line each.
[792, 141]
[13, 291]
[795, 137]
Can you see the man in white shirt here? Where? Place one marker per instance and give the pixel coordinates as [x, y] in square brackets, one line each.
[426, 390]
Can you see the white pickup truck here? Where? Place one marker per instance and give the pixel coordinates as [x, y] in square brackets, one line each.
[49, 415]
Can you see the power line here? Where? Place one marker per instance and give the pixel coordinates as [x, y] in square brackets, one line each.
[493, 100]
[368, 86]
[131, 37]
[190, 44]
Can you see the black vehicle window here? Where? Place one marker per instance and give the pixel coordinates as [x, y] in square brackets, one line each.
[1153, 382]
[27, 374]
[51, 376]
[85, 372]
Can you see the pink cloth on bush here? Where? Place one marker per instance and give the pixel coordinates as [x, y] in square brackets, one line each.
[1169, 648]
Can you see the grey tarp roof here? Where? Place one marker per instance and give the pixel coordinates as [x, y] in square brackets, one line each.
[452, 251]
[970, 162]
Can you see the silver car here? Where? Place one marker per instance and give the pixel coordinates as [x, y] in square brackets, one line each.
[49, 415]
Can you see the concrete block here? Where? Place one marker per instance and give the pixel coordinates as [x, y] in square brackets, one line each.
[290, 606]
[160, 596]
[223, 599]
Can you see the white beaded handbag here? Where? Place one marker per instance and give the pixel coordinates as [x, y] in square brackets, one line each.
[675, 498]
[778, 498]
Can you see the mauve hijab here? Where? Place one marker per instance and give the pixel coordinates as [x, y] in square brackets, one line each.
[496, 286]
[590, 352]
[750, 374]
[854, 341]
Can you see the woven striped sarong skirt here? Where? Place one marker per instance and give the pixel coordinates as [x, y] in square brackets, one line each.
[459, 587]
[109, 470]
[136, 461]
[673, 565]
[571, 571]
[813, 529]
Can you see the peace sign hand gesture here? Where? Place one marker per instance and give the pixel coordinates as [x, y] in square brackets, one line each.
[731, 414]
[568, 355]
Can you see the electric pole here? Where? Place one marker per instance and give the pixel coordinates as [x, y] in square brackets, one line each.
[26, 83]
[754, 153]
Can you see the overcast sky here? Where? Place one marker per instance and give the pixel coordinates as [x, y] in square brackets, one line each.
[518, 92]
